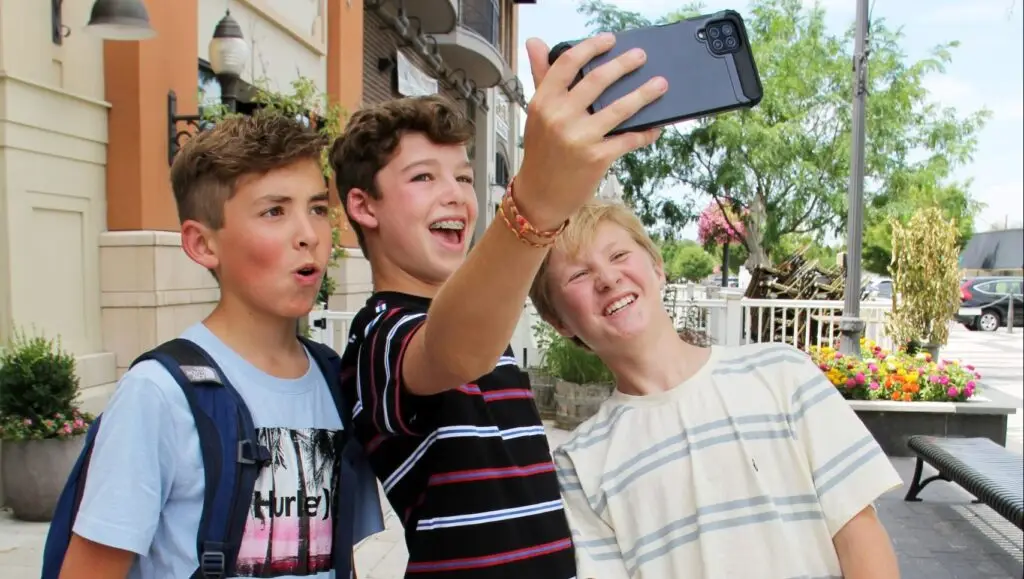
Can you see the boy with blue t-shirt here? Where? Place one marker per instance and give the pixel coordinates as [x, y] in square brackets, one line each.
[254, 211]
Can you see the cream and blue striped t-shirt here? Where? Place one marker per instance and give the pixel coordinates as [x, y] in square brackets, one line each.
[748, 469]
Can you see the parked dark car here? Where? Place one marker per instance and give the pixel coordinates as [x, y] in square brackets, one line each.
[985, 302]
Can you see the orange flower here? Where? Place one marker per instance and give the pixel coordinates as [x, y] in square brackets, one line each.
[907, 397]
[896, 396]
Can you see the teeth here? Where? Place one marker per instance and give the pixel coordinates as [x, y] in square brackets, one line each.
[619, 304]
[452, 224]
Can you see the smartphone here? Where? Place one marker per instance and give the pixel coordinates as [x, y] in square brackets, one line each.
[707, 61]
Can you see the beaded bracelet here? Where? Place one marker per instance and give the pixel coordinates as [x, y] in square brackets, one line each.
[520, 226]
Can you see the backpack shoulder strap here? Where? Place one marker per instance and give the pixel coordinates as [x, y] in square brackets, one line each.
[230, 450]
[329, 363]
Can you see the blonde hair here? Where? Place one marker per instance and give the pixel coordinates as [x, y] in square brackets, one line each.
[579, 234]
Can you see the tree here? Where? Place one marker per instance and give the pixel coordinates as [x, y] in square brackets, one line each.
[692, 263]
[787, 161]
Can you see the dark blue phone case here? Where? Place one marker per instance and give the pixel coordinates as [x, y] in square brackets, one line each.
[701, 83]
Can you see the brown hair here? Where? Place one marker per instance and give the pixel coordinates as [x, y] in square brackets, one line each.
[372, 135]
[204, 174]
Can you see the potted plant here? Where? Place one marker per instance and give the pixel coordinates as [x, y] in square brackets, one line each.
[41, 426]
[581, 380]
[926, 280]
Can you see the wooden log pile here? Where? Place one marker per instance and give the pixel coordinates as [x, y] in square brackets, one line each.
[796, 278]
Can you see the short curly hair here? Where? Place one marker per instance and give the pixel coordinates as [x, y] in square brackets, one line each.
[206, 170]
[372, 135]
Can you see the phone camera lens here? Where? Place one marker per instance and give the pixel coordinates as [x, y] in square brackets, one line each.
[730, 42]
[727, 29]
[716, 44]
[714, 32]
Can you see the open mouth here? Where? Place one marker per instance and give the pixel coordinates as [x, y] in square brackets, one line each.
[308, 272]
[619, 305]
[451, 231]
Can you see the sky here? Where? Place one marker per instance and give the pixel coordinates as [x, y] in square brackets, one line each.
[987, 71]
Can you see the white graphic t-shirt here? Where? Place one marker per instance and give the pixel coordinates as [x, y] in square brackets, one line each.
[144, 491]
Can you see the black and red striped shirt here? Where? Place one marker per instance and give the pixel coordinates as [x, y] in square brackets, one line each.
[469, 471]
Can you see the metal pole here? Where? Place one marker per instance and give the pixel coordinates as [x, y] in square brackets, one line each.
[851, 326]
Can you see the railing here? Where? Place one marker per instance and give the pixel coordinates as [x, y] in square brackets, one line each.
[482, 17]
[729, 320]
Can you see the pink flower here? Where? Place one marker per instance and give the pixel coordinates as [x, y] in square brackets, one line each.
[850, 383]
[874, 386]
[839, 356]
[933, 379]
[823, 366]
[943, 380]
[873, 367]
[942, 366]
[969, 367]
[971, 384]
[859, 377]
[977, 375]
[953, 392]
[27, 422]
[79, 423]
[66, 429]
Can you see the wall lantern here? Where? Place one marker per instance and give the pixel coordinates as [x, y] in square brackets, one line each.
[228, 55]
[113, 20]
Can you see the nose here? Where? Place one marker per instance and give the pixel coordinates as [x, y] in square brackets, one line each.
[305, 233]
[452, 192]
[606, 278]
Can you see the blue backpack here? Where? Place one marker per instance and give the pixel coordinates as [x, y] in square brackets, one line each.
[232, 460]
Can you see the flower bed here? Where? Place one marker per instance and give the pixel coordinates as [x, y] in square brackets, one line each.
[878, 374]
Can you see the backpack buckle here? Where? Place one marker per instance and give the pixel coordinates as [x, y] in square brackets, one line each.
[213, 564]
[250, 452]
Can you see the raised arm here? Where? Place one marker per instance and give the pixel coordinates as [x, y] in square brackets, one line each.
[566, 155]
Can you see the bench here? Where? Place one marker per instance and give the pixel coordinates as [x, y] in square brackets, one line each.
[988, 471]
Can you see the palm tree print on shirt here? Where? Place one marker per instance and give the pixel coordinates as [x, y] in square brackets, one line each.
[290, 528]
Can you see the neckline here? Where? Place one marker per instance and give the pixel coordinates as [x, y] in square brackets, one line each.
[621, 398]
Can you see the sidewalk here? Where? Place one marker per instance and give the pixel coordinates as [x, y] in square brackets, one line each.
[943, 537]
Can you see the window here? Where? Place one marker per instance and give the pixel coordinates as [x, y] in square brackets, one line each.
[501, 170]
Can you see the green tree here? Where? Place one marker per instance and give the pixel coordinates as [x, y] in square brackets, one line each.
[813, 249]
[787, 161]
[692, 264]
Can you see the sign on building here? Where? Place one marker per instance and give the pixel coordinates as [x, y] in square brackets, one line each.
[411, 80]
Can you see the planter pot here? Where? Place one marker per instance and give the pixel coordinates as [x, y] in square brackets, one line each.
[543, 387]
[34, 474]
[932, 349]
[892, 423]
[575, 403]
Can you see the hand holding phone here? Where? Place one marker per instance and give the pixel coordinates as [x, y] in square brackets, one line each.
[707, 60]
[565, 149]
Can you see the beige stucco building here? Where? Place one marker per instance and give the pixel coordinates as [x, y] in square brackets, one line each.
[89, 249]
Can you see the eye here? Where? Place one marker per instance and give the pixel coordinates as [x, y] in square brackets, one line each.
[275, 211]
[321, 210]
[423, 177]
[466, 179]
[577, 275]
[619, 255]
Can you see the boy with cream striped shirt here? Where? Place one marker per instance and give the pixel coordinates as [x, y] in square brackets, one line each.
[706, 462]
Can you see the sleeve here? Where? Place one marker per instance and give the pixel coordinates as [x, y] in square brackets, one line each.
[597, 550]
[384, 406]
[131, 468]
[849, 468]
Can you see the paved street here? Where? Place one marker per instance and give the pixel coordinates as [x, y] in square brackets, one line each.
[943, 537]
[999, 356]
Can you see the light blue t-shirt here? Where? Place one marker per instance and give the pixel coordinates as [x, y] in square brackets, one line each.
[144, 491]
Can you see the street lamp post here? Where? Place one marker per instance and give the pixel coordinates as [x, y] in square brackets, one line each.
[851, 327]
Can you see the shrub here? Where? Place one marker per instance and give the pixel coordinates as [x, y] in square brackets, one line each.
[881, 375]
[567, 361]
[38, 391]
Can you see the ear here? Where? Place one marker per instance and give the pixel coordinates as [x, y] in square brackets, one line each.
[558, 326]
[361, 208]
[200, 244]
